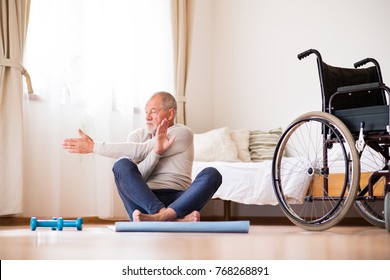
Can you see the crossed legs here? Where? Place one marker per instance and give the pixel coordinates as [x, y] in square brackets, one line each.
[143, 204]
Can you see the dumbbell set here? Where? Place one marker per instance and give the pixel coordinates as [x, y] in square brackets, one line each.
[56, 223]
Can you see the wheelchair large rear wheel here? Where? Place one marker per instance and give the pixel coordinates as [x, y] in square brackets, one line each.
[316, 171]
[372, 207]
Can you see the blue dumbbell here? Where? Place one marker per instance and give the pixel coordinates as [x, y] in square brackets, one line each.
[72, 223]
[54, 224]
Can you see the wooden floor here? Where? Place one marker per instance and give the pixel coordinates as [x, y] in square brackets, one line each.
[266, 242]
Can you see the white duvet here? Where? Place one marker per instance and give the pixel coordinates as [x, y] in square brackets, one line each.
[251, 183]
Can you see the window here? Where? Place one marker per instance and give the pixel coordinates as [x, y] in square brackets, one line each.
[91, 62]
[89, 52]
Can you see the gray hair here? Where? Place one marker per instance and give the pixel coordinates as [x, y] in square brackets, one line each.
[168, 101]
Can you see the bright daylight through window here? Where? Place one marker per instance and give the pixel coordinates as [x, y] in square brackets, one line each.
[83, 52]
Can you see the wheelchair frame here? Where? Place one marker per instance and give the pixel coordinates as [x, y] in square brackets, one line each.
[343, 151]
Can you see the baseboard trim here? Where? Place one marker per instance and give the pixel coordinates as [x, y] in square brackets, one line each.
[24, 221]
[347, 221]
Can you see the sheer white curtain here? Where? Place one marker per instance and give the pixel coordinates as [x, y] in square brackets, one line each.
[92, 63]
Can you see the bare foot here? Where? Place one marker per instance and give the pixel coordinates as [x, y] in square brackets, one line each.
[136, 216]
[165, 215]
[192, 217]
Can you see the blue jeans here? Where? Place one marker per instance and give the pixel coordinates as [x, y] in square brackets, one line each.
[136, 194]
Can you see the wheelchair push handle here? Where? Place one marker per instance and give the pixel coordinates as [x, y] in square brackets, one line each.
[362, 62]
[309, 52]
[373, 61]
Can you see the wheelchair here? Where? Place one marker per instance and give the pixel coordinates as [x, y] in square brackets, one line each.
[328, 161]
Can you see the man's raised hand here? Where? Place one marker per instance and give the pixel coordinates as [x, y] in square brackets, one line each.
[163, 143]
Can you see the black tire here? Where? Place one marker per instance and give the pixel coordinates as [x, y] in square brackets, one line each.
[387, 211]
[372, 210]
[305, 162]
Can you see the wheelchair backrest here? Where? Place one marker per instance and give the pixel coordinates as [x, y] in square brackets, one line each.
[334, 77]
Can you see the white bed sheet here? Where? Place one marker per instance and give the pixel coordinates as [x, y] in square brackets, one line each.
[251, 183]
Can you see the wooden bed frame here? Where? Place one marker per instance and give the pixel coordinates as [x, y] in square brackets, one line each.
[317, 190]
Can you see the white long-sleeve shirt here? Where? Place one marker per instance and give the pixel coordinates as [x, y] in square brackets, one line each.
[171, 170]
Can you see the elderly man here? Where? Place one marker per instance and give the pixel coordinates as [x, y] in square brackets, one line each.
[153, 168]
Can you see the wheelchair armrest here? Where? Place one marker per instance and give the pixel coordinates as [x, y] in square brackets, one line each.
[357, 89]
[361, 87]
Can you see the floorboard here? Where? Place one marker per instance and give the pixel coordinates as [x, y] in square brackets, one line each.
[267, 242]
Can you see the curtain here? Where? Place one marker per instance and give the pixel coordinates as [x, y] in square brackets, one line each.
[13, 27]
[182, 16]
[94, 63]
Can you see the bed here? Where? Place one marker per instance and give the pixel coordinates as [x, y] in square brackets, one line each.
[244, 158]
[251, 183]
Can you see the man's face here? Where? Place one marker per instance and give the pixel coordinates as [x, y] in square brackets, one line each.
[155, 114]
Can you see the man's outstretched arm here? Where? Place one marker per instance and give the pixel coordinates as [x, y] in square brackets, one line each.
[136, 151]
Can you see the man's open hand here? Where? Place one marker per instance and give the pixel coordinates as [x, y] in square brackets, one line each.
[82, 145]
[163, 143]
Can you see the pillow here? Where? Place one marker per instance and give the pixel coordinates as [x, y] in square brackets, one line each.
[262, 144]
[215, 145]
[241, 139]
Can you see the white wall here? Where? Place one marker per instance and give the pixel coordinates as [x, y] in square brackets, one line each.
[244, 70]
[200, 97]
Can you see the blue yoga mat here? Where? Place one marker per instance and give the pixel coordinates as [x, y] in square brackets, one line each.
[229, 226]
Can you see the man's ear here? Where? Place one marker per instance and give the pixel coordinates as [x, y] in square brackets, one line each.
[171, 114]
